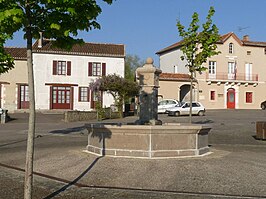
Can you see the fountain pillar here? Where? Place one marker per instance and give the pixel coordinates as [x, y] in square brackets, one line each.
[148, 97]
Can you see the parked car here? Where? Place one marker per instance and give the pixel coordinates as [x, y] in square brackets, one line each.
[263, 105]
[166, 104]
[197, 109]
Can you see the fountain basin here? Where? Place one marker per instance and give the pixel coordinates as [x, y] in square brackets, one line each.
[145, 141]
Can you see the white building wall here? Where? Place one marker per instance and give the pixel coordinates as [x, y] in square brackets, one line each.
[43, 72]
[171, 62]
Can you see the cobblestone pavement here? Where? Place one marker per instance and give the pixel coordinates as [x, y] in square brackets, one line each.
[235, 169]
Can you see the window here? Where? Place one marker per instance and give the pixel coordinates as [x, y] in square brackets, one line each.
[212, 67]
[212, 95]
[249, 97]
[61, 95]
[62, 68]
[231, 70]
[231, 48]
[84, 95]
[97, 69]
[265, 51]
[194, 104]
[248, 71]
[248, 52]
[24, 93]
[175, 69]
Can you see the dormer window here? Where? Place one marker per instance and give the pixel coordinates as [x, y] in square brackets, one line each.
[231, 48]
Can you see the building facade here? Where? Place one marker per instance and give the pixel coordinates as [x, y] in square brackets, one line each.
[62, 77]
[234, 79]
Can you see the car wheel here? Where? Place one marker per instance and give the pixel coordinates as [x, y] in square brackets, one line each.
[177, 113]
[263, 107]
[200, 113]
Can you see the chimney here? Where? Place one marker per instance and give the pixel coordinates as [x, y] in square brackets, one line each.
[40, 40]
[245, 38]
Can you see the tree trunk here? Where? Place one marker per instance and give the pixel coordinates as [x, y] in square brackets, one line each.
[191, 97]
[31, 127]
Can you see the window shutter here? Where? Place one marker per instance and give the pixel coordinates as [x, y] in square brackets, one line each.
[54, 67]
[90, 69]
[92, 102]
[103, 69]
[79, 94]
[19, 96]
[88, 91]
[69, 68]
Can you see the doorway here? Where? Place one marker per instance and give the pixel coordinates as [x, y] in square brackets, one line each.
[61, 97]
[231, 98]
[23, 97]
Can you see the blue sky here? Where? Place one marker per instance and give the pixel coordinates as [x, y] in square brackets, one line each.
[147, 26]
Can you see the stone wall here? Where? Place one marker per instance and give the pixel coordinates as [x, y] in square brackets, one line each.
[73, 116]
[148, 141]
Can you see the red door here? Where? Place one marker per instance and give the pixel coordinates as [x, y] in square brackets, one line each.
[23, 102]
[231, 98]
[61, 97]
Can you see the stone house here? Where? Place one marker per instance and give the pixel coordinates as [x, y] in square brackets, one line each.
[234, 79]
[62, 77]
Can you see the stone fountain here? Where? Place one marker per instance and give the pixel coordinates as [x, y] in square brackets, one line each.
[148, 137]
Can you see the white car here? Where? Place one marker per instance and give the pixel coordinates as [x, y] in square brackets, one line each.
[197, 109]
[166, 104]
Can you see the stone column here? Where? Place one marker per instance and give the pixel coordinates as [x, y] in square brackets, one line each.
[148, 98]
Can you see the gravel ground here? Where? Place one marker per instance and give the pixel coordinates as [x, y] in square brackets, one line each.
[235, 169]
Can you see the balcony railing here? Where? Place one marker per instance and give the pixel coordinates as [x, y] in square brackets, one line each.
[237, 76]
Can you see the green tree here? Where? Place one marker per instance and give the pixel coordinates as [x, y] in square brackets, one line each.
[6, 61]
[57, 19]
[119, 87]
[132, 62]
[198, 45]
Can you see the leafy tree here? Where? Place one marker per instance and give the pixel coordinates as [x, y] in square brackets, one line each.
[57, 19]
[119, 87]
[6, 61]
[132, 62]
[197, 46]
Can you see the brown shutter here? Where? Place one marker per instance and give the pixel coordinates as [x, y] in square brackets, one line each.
[103, 69]
[54, 67]
[79, 94]
[71, 98]
[69, 68]
[88, 90]
[19, 94]
[90, 69]
[51, 98]
[92, 102]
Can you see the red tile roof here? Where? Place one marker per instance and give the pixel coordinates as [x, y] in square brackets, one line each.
[17, 53]
[173, 46]
[223, 38]
[254, 43]
[91, 49]
[174, 76]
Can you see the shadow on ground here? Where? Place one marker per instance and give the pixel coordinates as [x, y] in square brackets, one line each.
[74, 181]
[204, 122]
[68, 130]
